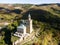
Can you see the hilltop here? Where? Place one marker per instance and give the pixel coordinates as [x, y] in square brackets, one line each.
[46, 17]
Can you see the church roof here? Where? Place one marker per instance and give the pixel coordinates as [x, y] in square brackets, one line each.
[21, 26]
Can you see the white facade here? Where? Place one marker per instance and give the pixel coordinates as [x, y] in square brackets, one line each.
[30, 23]
[21, 29]
[31, 27]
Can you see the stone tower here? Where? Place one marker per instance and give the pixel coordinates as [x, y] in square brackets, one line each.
[28, 24]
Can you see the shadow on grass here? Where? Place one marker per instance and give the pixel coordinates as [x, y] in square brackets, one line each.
[7, 36]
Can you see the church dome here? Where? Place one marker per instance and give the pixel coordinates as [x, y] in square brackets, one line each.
[21, 26]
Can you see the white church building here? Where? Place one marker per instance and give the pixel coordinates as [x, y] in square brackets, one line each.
[25, 28]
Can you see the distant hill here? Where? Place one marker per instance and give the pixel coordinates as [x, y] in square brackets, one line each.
[49, 4]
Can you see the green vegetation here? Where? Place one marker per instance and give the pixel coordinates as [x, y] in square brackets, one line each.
[24, 6]
[13, 38]
[48, 20]
[45, 17]
[7, 37]
[1, 40]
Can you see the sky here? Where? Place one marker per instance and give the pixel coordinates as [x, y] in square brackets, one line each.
[29, 1]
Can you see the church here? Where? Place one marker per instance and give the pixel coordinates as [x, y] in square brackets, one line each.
[25, 28]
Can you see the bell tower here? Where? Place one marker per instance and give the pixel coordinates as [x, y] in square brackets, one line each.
[29, 17]
[30, 23]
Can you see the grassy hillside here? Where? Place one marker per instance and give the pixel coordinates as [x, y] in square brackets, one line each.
[45, 16]
[48, 14]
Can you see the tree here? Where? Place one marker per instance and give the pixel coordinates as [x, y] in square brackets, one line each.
[10, 27]
[15, 23]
